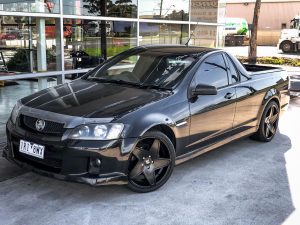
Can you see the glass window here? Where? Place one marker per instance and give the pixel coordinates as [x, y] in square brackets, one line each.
[233, 71]
[207, 36]
[165, 10]
[87, 41]
[212, 72]
[29, 44]
[112, 8]
[146, 67]
[204, 11]
[154, 33]
[41, 6]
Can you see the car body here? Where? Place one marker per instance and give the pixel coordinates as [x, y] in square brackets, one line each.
[194, 115]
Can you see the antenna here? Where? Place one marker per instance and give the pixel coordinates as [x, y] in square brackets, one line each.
[191, 35]
[187, 43]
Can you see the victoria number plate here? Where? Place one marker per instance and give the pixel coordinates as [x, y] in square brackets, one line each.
[32, 149]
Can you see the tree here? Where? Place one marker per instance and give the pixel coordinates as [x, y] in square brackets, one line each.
[253, 39]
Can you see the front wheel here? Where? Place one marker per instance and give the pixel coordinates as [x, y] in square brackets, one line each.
[151, 162]
[268, 124]
[287, 46]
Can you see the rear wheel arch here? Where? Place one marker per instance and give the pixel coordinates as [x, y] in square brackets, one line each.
[268, 124]
[266, 101]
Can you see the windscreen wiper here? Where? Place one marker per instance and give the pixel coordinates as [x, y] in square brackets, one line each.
[154, 86]
[150, 86]
[113, 81]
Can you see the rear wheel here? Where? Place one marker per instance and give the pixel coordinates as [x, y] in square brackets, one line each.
[151, 162]
[268, 124]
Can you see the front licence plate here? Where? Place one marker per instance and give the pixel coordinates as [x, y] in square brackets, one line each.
[32, 149]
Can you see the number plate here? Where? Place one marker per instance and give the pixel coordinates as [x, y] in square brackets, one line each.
[32, 149]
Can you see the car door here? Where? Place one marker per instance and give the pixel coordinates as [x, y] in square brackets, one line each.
[248, 101]
[211, 116]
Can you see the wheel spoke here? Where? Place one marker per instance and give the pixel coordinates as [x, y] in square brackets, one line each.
[273, 118]
[154, 149]
[161, 163]
[136, 171]
[150, 176]
[267, 131]
[272, 129]
[271, 112]
[140, 153]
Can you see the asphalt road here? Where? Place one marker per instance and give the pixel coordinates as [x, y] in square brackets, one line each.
[245, 182]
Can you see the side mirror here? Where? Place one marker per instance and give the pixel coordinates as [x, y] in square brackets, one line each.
[204, 89]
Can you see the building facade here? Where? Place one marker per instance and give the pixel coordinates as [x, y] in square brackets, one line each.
[275, 15]
[41, 38]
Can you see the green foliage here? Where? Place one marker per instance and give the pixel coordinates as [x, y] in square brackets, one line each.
[20, 62]
[274, 61]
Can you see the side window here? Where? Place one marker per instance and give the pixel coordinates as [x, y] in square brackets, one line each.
[212, 72]
[234, 74]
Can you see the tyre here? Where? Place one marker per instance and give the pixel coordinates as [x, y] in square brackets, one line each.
[231, 42]
[287, 46]
[239, 42]
[268, 124]
[151, 162]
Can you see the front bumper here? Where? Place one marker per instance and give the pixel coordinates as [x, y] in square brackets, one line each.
[72, 160]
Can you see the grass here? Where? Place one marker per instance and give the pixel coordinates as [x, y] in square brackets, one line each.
[111, 50]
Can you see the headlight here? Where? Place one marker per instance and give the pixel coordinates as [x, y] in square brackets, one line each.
[97, 131]
[15, 112]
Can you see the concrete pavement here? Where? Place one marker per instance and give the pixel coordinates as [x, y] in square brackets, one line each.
[245, 182]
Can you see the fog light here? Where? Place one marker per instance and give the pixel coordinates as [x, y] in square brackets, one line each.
[95, 164]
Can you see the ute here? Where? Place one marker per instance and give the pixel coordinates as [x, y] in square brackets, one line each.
[137, 115]
[290, 38]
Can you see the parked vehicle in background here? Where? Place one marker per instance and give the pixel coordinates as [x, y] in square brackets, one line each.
[138, 114]
[290, 38]
[93, 28]
[236, 31]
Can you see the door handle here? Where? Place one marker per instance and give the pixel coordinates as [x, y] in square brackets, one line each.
[229, 95]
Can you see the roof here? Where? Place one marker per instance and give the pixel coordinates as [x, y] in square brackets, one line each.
[177, 48]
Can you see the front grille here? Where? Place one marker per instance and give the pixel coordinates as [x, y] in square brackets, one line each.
[51, 128]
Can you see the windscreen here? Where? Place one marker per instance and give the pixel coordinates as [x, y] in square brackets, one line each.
[146, 67]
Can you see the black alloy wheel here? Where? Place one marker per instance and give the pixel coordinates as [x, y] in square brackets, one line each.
[151, 162]
[269, 123]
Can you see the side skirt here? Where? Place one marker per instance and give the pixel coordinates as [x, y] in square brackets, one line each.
[195, 153]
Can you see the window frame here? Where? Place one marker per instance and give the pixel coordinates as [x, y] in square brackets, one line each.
[229, 60]
[207, 57]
